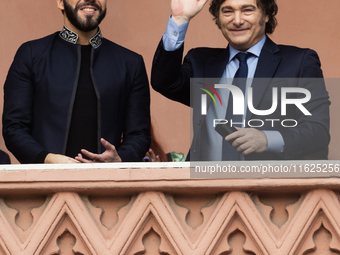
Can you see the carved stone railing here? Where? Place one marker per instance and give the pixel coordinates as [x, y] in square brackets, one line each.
[111, 209]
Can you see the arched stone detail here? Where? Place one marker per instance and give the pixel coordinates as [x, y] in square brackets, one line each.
[278, 210]
[321, 238]
[23, 212]
[108, 212]
[149, 233]
[65, 239]
[194, 212]
[66, 243]
[236, 238]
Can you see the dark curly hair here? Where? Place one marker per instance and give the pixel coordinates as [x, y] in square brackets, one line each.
[268, 7]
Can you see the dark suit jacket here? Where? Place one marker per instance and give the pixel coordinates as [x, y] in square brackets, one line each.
[40, 89]
[172, 79]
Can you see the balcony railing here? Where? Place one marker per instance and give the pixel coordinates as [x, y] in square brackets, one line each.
[156, 208]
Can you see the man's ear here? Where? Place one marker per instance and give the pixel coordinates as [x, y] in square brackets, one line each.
[60, 4]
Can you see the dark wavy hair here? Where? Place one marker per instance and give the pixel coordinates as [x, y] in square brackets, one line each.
[269, 8]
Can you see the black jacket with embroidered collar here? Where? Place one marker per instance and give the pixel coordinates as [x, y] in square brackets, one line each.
[40, 88]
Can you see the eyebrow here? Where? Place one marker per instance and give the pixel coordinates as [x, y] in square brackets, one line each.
[242, 7]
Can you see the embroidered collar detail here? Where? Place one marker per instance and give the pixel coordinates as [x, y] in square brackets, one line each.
[97, 40]
[72, 37]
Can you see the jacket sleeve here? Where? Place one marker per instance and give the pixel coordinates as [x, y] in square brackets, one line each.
[169, 76]
[18, 107]
[311, 135]
[136, 133]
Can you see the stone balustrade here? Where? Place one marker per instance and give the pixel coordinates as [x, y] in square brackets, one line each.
[124, 209]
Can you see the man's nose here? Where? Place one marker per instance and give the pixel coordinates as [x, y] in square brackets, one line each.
[238, 18]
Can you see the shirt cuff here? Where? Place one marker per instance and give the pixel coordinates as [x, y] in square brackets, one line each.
[174, 35]
[275, 141]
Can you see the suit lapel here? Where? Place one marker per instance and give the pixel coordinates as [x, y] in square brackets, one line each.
[266, 68]
[214, 68]
[216, 65]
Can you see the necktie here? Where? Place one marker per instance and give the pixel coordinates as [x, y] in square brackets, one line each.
[240, 80]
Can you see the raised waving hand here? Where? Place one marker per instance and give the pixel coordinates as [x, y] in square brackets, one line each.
[184, 10]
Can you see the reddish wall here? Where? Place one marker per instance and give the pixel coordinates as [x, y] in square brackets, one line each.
[139, 25]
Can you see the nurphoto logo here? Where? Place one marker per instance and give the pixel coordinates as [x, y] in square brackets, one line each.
[239, 104]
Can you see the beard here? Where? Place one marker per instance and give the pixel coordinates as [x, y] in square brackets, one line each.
[87, 24]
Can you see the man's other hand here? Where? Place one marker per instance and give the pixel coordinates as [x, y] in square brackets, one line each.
[184, 10]
[109, 155]
[59, 159]
[248, 140]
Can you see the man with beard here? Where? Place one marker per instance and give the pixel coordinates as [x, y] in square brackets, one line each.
[250, 54]
[76, 91]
